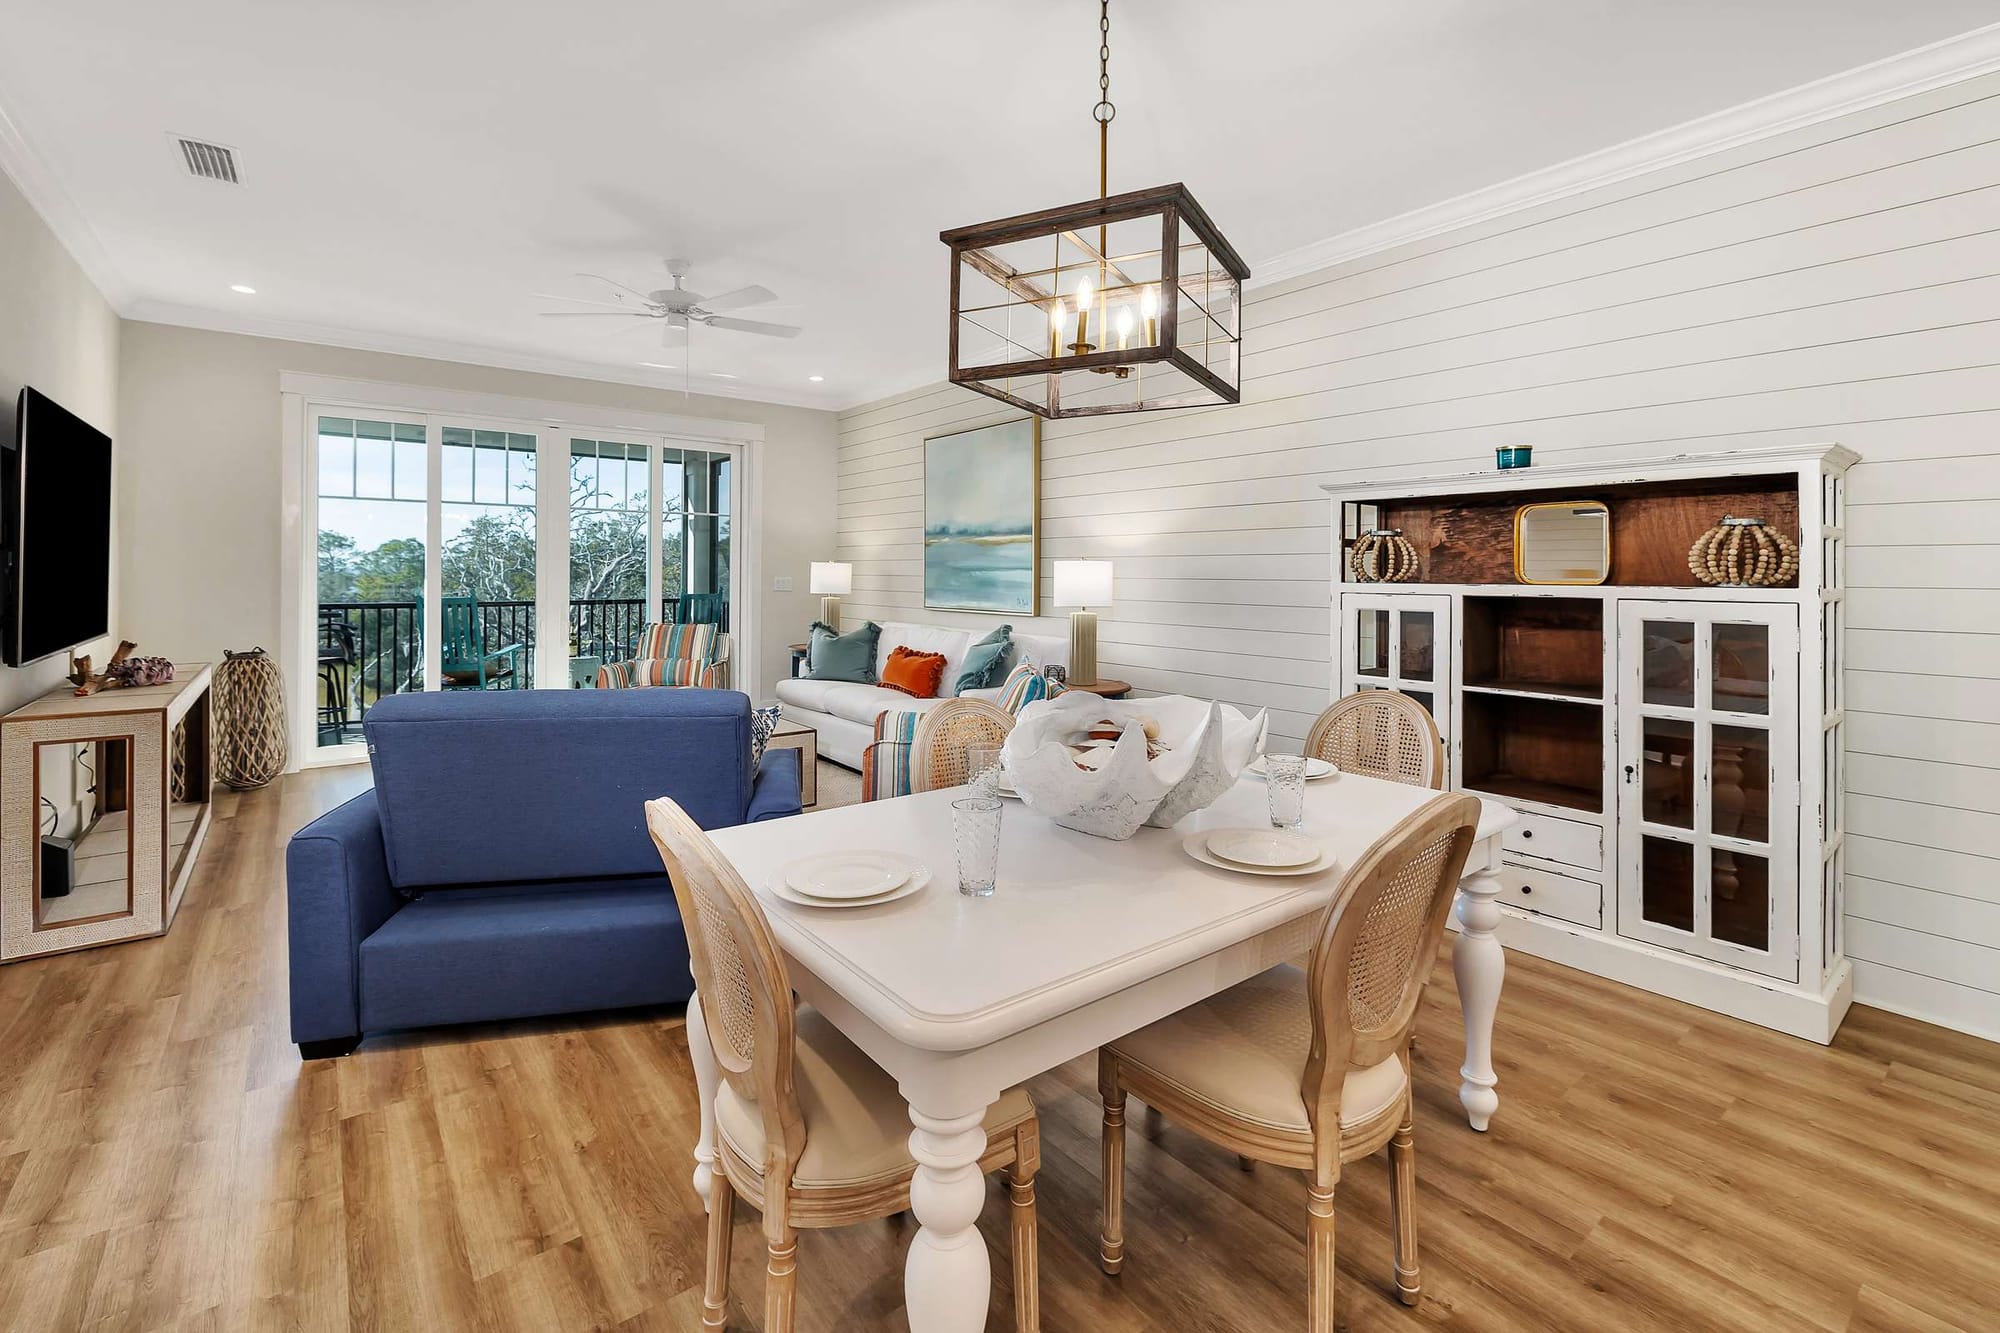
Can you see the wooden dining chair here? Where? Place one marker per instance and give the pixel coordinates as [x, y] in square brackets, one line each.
[808, 1129]
[1310, 1069]
[945, 737]
[1381, 734]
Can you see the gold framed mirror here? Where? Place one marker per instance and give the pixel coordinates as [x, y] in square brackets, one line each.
[1563, 542]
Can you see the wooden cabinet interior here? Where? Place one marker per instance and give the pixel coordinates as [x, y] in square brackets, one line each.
[1469, 539]
[1547, 645]
[1535, 750]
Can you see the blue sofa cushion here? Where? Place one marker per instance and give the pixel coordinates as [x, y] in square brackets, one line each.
[469, 955]
[507, 786]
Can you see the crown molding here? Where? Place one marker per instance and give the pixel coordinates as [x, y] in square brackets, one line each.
[45, 194]
[445, 349]
[1953, 60]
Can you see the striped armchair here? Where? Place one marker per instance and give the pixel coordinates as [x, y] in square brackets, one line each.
[885, 764]
[696, 655]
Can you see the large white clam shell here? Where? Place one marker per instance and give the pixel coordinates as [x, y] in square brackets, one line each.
[1208, 745]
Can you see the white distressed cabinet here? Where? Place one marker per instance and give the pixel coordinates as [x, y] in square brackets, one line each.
[1673, 749]
[1395, 647]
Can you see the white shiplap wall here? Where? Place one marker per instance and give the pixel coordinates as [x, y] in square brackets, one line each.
[1840, 282]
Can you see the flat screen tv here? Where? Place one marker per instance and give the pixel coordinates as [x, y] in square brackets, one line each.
[55, 534]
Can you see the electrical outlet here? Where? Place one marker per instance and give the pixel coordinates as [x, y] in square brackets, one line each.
[782, 583]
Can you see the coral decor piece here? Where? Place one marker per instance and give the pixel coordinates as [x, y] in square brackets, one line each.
[135, 671]
[1195, 752]
[1744, 553]
[124, 670]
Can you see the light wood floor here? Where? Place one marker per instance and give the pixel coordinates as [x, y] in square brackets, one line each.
[167, 1163]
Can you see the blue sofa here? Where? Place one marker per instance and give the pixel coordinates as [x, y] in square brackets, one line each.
[501, 866]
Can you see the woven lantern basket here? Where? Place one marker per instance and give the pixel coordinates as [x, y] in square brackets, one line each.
[1382, 555]
[1744, 553]
[250, 744]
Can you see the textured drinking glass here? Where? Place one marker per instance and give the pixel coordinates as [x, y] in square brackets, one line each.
[975, 824]
[1285, 776]
[982, 769]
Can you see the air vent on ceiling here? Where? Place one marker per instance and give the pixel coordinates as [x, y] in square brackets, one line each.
[209, 161]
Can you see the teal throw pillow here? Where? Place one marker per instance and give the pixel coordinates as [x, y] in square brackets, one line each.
[832, 655]
[985, 661]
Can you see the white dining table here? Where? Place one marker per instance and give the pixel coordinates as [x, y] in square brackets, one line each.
[1086, 940]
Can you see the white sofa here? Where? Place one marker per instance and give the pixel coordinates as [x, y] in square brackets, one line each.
[844, 713]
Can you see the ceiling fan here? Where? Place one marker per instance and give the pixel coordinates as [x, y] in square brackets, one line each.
[675, 307]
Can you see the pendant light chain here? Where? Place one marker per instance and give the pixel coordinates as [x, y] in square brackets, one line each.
[1093, 313]
[1104, 111]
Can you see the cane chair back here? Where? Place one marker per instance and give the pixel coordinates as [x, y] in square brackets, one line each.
[1377, 945]
[1380, 734]
[945, 736]
[740, 979]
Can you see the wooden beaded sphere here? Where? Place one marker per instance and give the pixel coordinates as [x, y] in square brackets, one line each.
[1744, 553]
[1382, 555]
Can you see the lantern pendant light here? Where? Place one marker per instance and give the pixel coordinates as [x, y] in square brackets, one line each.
[1122, 303]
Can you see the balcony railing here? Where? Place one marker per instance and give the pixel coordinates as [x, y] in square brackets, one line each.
[371, 649]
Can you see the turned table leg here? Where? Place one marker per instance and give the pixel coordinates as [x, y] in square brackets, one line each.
[1480, 964]
[707, 1074]
[947, 1277]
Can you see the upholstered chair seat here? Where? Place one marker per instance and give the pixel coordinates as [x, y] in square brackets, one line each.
[857, 1124]
[1244, 1053]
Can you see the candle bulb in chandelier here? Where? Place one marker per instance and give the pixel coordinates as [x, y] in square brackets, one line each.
[1083, 299]
[1056, 327]
[1149, 310]
[1124, 326]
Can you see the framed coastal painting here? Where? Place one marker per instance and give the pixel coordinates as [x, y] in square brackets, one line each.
[982, 498]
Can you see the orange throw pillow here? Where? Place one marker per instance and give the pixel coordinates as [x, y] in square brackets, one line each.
[915, 674]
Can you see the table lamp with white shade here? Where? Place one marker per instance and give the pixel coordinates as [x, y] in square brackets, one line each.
[1083, 584]
[833, 580]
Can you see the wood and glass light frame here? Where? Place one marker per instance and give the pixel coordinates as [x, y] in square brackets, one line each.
[1122, 304]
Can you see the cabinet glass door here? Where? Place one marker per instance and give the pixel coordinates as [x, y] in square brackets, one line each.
[1708, 781]
[1394, 642]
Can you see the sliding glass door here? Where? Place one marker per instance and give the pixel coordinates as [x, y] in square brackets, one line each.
[488, 514]
[694, 539]
[457, 554]
[373, 533]
[613, 524]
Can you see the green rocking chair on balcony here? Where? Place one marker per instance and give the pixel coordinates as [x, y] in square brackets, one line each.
[467, 665]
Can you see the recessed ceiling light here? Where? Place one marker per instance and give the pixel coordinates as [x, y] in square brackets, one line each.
[658, 365]
[722, 374]
[243, 287]
[817, 379]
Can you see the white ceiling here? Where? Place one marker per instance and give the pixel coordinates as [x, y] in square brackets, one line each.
[414, 171]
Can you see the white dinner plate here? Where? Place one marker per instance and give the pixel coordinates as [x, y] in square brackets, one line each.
[841, 876]
[917, 879]
[1196, 845]
[1006, 789]
[1315, 768]
[1265, 848]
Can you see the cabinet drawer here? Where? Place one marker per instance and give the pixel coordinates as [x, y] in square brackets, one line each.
[1569, 841]
[1578, 901]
